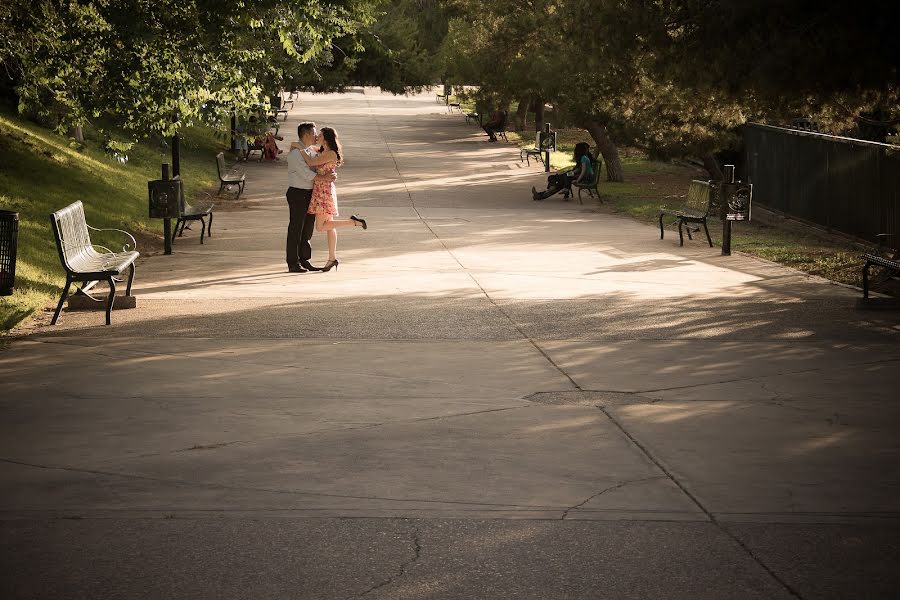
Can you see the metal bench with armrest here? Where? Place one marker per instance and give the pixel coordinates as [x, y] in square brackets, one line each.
[229, 177]
[81, 260]
[697, 208]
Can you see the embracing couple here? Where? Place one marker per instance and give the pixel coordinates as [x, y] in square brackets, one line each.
[312, 197]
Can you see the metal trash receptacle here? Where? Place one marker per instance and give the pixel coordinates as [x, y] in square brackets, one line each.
[9, 233]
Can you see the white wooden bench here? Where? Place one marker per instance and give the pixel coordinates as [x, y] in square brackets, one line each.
[81, 260]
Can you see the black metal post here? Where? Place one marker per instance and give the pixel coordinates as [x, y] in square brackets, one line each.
[726, 238]
[233, 130]
[726, 222]
[167, 223]
[547, 153]
[176, 156]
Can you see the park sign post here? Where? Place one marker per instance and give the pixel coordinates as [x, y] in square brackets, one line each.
[166, 194]
[547, 144]
[164, 203]
[734, 205]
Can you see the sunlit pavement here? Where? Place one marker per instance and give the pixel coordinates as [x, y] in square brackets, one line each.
[490, 398]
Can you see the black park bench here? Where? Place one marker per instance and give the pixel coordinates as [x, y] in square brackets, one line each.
[697, 208]
[876, 258]
[188, 213]
[229, 177]
[81, 260]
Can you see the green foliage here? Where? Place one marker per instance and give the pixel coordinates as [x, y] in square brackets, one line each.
[157, 66]
[676, 78]
[401, 51]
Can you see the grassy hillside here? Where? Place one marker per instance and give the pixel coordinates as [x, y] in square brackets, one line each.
[43, 172]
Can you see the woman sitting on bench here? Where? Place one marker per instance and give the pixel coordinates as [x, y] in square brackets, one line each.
[558, 182]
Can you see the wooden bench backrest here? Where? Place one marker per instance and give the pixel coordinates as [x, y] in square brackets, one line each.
[699, 196]
[220, 164]
[71, 233]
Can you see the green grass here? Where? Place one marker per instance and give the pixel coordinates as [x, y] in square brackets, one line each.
[43, 172]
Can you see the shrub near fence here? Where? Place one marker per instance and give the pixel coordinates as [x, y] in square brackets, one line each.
[846, 185]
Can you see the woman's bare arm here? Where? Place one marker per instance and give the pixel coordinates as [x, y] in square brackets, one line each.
[324, 158]
[581, 172]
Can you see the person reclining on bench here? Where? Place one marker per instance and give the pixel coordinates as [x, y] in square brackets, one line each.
[495, 123]
[562, 181]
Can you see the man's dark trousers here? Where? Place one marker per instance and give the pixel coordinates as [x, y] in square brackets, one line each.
[300, 227]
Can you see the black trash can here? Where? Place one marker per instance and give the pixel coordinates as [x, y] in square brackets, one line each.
[9, 233]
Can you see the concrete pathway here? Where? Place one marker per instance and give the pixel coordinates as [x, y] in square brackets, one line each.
[490, 398]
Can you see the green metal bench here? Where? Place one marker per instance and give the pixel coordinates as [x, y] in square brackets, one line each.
[696, 209]
[592, 185]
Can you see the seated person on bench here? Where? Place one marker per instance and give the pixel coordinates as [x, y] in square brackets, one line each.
[497, 121]
[240, 140]
[270, 147]
[559, 181]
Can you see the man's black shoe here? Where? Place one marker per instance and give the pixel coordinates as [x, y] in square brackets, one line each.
[296, 269]
[306, 265]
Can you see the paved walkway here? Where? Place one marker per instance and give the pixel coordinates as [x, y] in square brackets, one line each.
[491, 398]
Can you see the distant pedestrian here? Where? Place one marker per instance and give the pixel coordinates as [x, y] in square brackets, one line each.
[497, 122]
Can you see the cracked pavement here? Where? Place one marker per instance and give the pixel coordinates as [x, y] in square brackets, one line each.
[493, 398]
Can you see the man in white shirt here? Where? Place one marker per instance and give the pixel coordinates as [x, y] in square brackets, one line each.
[299, 193]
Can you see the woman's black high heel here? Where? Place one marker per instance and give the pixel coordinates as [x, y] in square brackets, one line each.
[331, 263]
[360, 221]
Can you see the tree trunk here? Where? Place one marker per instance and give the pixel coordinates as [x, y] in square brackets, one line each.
[76, 132]
[538, 113]
[607, 149]
[712, 165]
[522, 114]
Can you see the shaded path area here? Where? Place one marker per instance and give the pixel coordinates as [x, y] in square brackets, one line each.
[492, 398]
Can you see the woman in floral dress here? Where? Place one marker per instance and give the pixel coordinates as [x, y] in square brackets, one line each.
[324, 195]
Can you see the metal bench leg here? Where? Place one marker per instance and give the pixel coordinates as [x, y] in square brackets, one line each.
[708, 239]
[687, 228]
[580, 201]
[112, 299]
[599, 198]
[61, 300]
[130, 281]
[866, 280]
[209, 226]
[680, 233]
[240, 190]
[202, 229]
[661, 231]
[221, 187]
